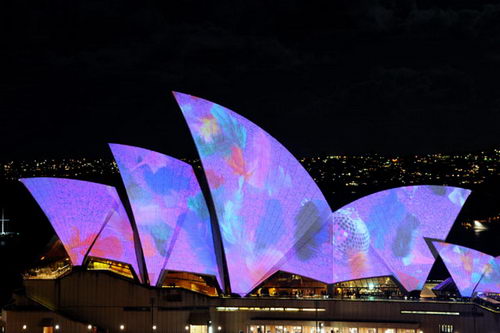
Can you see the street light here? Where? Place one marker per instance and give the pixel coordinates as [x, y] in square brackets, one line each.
[56, 327]
[154, 327]
[122, 327]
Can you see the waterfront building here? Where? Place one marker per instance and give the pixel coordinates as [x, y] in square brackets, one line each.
[250, 245]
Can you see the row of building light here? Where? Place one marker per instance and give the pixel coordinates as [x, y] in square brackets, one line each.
[57, 327]
[256, 308]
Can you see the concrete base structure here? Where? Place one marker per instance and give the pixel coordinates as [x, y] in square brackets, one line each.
[97, 301]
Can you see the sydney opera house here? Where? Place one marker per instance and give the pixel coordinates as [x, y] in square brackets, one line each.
[246, 244]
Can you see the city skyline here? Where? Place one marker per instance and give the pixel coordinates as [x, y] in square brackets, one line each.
[467, 169]
[342, 178]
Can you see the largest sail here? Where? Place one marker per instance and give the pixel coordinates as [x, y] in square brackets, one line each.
[266, 203]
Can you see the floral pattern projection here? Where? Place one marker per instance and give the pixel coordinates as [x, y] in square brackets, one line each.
[80, 211]
[360, 246]
[471, 270]
[266, 202]
[170, 212]
[340, 251]
[116, 240]
[409, 214]
[490, 282]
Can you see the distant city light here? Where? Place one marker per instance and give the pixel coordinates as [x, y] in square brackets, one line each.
[348, 170]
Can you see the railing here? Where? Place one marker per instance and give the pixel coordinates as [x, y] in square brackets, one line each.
[488, 302]
[53, 271]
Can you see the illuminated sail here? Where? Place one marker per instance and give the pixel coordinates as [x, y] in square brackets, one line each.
[381, 234]
[116, 240]
[398, 220]
[266, 203]
[78, 211]
[471, 270]
[170, 212]
[340, 251]
[490, 281]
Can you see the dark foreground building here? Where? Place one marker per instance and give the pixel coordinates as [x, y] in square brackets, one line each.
[97, 301]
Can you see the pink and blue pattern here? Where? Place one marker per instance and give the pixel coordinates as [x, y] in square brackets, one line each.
[382, 234]
[170, 212]
[490, 281]
[266, 202]
[398, 221]
[271, 216]
[116, 240]
[85, 214]
[471, 270]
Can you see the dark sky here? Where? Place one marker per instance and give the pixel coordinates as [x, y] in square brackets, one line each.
[352, 76]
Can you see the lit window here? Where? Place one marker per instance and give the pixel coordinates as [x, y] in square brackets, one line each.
[445, 328]
[441, 313]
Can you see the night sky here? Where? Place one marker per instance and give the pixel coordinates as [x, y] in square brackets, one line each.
[352, 76]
